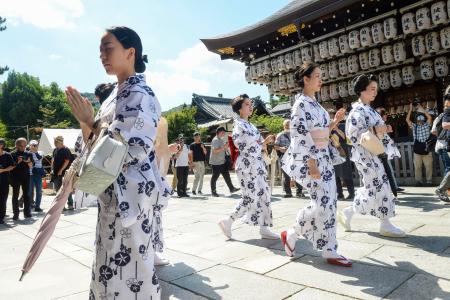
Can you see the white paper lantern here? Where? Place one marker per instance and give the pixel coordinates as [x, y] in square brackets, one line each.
[333, 46]
[253, 72]
[275, 84]
[288, 61]
[409, 23]
[387, 54]
[316, 52]
[418, 45]
[353, 39]
[395, 77]
[377, 33]
[290, 80]
[390, 28]
[283, 82]
[297, 58]
[323, 49]
[325, 93]
[343, 44]
[399, 51]
[267, 69]
[365, 37]
[408, 75]
[324, 71]
[427, 70]
[259, 69]
[343, 91]
[384, 81]
[306, 54]
[364, 60]
[432, 42]
[374, 57]
[438, 13]
[441, 66]
[274, 66]
[248, 76]
[445, 38]
[423, 18]
[353, 65]
[333, 69]
[351, 90]
[334, 91]
[280, 62]
[343, 68]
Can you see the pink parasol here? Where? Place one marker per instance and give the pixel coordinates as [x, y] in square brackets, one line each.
[52, 216]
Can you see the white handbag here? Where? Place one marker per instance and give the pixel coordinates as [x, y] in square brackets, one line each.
[371, 143]
[102, 165]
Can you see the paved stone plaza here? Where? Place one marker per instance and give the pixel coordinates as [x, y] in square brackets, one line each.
[204, 265]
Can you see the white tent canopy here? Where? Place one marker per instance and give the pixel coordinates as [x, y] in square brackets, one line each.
[46, 144]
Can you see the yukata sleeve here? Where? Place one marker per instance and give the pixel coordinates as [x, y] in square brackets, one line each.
[302, 143]
[136, 122]
[356, 126]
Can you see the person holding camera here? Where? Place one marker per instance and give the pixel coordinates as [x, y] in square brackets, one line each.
[219, 147]
[182, 165]
[6, 165]
[421, 129]
[441, 128]
[20, 178]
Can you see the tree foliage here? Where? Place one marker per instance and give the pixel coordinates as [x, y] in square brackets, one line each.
[273, 124]
[3, 27]
[181, 122]
[20, 100]
[55, 110]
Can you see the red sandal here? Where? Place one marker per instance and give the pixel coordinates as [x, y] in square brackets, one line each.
[289, 251]
[339, 261]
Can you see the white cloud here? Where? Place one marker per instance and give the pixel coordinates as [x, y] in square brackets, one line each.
[54, 56]
[44, 14]
[194, 70]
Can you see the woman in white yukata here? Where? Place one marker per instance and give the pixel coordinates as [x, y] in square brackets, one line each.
[254, 206]
[374, 197]
[309, 161]
[126, 234]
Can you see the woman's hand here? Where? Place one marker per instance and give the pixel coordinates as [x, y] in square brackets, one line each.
[382, 129]
[340, 115]
[314, 171]
[269, 139]
[81, 108]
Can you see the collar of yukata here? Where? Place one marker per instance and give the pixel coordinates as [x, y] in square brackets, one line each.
[309, 99]
[134, 79]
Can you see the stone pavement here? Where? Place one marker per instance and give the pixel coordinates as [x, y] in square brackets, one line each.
[204, 265]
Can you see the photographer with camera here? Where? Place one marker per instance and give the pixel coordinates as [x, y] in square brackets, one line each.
[421, 128]
[441, 129]
[20, 178]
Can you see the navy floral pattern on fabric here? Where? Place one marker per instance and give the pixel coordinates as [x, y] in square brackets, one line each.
[254, 207]
[374, 196]
[317, 221]
[129, 227]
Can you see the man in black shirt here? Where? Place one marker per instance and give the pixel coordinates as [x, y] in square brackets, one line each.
[20, 178]
[62, 158]
[197, 155]
[6, 165]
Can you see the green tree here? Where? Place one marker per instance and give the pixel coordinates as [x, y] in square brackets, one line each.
[19, 102]
[181, 122]
[273, 124]
[55, 110]
[2, 27]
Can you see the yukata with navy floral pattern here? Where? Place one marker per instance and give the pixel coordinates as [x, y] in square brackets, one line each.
[254, 207]
[317, 221]
[374, 196]
[127, 232]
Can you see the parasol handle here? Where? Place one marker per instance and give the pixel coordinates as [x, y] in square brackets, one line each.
[21, 276]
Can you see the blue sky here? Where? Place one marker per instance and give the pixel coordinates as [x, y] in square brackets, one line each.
[58, 40]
